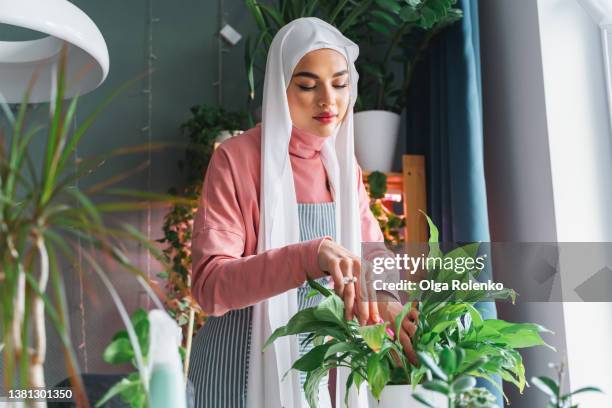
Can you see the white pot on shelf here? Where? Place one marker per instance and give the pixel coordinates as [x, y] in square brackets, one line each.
[226, 134]
[376, 134]
[400, 396]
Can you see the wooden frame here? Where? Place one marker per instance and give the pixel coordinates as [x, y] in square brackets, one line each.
[415, 197]
[411, 184]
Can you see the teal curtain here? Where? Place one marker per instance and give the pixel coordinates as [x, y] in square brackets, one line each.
[444, 123]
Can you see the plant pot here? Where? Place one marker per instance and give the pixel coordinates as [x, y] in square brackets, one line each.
[224, 135]
[394, 396]
[376, 133]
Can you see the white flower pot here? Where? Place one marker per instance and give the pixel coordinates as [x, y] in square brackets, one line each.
[224, 135]
[400, 396]
[376, 135]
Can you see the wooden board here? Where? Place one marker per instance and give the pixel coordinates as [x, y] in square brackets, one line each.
[415, 197]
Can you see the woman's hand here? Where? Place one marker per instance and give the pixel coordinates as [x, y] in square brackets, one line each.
[349, 281]
[389, 310]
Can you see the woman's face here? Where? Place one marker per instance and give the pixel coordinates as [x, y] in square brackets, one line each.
[318, 94]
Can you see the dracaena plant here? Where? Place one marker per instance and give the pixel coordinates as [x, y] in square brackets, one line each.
[453, 341]
[44, 215]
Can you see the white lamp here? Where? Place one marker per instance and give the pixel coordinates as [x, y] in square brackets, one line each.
[87, 58]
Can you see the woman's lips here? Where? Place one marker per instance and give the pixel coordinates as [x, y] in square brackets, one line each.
[326, 119]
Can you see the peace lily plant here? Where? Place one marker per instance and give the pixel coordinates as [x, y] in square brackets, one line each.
[455, 345]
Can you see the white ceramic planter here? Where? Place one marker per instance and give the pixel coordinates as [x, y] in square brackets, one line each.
[400, 396]
[376, 135]
[224, 135]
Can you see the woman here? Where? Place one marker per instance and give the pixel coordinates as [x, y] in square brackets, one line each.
[281, 203]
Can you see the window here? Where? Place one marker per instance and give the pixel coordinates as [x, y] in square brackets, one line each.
[601, 12]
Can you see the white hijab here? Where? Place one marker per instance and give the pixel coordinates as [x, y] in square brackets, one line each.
[278, 224]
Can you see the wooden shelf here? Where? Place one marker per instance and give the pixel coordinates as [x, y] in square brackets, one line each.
[411, 184]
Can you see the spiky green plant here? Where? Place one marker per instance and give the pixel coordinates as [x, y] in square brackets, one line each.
[43, 216]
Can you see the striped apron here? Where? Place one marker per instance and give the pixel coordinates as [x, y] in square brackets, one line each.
[218, 365]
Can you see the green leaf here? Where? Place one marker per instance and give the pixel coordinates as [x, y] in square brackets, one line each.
[142, 332]
[463, 383]
[546, 385]
[423, 400]
[320, 288]
[330, 309]
[460, 355]
[429, 362]
[256, 13]
[119, 388]
[437, 386]
[341, 348]
[448, 360]
[274, 15]
[279, 332]
[400, 317]
[377, 181]
[389, 5]
[313, 359]
[585, 389]
[409, 14]
[518, 335]
[311, 386]
[386, 17]
[470, 368]
[122, 334]
[374, 335]
[378, 374]
[381, 28]
[119, 351]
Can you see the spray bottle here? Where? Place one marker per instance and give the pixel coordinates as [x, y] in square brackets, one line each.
[166, 384]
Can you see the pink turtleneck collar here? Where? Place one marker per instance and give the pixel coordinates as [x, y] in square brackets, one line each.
[305, 144]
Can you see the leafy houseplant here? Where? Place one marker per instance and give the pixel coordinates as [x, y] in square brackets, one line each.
[43, 215]
[131, 389]
[402, 28]
[202, 129]
[391, 224]
[392, 36]
[552, 388]
[454, 343]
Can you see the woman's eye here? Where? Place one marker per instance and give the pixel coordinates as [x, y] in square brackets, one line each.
[309, 88]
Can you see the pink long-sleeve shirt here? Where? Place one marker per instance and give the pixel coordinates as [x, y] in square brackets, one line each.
[227, 273]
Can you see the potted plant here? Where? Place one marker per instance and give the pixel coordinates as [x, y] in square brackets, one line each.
[386, 31]
[43, 215]
[454, 343]
[398, 31]
[552, 388]
[132, 389]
